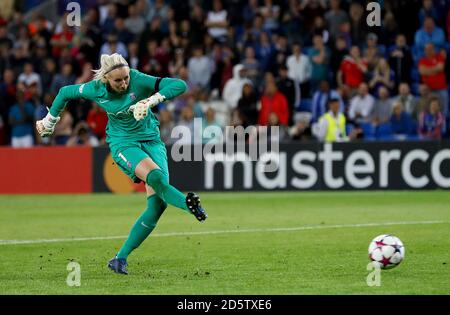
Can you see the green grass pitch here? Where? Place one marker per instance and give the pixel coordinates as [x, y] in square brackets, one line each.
[252, 243]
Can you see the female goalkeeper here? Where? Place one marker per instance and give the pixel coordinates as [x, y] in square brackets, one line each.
[133, 138]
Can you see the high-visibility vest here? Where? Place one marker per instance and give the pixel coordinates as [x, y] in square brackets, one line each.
[335, 127]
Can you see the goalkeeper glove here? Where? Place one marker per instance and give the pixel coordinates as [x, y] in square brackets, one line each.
[46, 126]
[141, 108]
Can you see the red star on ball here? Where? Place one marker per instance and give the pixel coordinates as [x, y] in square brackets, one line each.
[385, 261]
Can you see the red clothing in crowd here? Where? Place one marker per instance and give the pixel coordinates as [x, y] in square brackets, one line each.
[436, 81]
[278, 104]
[67, 35]
[97, 120]
[352, 75]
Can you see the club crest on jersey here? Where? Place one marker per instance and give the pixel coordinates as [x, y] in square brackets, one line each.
[133, 96]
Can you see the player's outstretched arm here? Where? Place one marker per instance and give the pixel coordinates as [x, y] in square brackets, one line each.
[166, 89]
[46, 126]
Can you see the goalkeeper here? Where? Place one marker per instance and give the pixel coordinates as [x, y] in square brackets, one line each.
[127, 96]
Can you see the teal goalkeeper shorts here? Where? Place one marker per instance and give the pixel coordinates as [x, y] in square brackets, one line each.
[128, 155]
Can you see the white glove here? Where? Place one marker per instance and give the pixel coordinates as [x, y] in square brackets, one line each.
[141, 108]
[46, 126]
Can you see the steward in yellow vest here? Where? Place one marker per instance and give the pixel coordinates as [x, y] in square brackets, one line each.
[332, 124]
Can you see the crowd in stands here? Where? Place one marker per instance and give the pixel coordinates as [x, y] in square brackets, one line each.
[315, 68]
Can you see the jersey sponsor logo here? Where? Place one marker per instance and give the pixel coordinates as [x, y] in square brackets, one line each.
[81, 88]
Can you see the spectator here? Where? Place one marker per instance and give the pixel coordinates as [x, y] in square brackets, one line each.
[6, 38]
[63, 129]
[431, 121]
[372, 51]
[28, 77]
[361, 105]
[62, 39]
[217, 22]
[82, 136]
[134, 23]
[301, 130]
[200, 69]
[271, 14]
[448, 25]
[382, 76]
[124, 35]
[47, 74]
[187, 121]
[390, 28]
[232, 90]
[250, 10]
[97, 121]
[158, 9]
[166, 124]
[112, 45]
[400, 60]
[247, 106]
[275, 136]
[66, 77]
[352, 70]
[265, 52]
[273, 101]
[338, 53]
[429, 33]
[3, 140]
[153, 61]
[358, 23]
[319, 28]
[424, 99]
[320, 58]
[87, 74]
[21, 120]
[382, 109]
[428, 10]
[401, 121]
[287, 87]
[251, 65]
[335, 17]
[152, 33]
[331, 126]
[407, 100]
[8, 90]
[321, 99]
[432, 70]
[300, 70]
[212, 132]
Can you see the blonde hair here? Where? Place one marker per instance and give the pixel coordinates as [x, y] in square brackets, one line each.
[108, 63]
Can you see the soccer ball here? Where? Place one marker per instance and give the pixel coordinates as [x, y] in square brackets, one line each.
[386, 251]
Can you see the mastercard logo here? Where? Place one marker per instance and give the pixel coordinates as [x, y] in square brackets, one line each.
[116, 181]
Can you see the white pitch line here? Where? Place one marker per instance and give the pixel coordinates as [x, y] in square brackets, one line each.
[285, 229]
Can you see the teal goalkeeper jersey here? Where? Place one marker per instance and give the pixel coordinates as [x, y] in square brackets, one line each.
[122, 126]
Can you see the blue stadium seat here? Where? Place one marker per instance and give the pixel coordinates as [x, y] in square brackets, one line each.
[415, 75]
[305, 105]
[349, 128]
[413, 128]
[368, 130]
[384, 132]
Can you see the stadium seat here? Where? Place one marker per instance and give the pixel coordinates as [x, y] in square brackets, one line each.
[305, 105]
[368, 130]
[384, 132]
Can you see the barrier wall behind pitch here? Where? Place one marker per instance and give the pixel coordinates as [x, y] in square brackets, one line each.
[301, 167]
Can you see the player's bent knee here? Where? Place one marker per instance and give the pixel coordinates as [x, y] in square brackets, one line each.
[157, 179]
